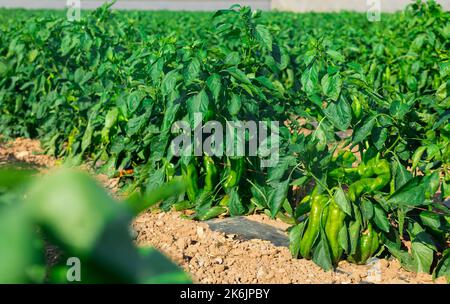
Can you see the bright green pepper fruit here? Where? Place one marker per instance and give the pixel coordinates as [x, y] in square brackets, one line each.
[169, 169]
[368, 184]
[224, 201]
[341, 172]
[236, 168]
[346, 158]
[367, 246]
[334, 223]
[318, 203]
[356, 107]
[303, 207]
[212, 176]
[191, 179]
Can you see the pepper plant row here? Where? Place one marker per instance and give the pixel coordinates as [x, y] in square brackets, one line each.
[363, 114]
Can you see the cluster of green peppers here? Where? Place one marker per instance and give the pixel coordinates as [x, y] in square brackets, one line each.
[371, 176]
[191, 174]
[324, 213]
[375, 175]
[366, 246]
[316, 214]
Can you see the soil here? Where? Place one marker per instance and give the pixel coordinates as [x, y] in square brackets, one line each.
[218, 257]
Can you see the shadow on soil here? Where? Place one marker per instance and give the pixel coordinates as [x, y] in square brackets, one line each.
[246, 229]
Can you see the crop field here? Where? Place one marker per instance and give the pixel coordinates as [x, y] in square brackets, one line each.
[345, 139]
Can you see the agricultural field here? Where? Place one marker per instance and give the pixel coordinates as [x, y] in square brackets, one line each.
[354, 167]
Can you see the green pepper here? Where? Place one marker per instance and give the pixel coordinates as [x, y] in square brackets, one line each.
[369, 184]
[303, 207]
[334, 223]
[224, 201]
[211, 177]
[169, 170]
[236, 168]
[367, 246]
[183, 205]
[191, 179]
[375, 243]
[339, 173]
[318, 203]
[356, 107]
[417, 156]
[346, 158]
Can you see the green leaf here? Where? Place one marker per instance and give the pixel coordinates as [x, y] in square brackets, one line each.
[134, 101]
[417, 157]
[235, 205]
[18, 254]
[192, 71]
[443, 267]
[32, 55]
[367, 209]
[300, 181]
[362, 132]
[412, 193]
[232, 58]
[111, 117]
[404, 258]
[87, 136]
[432, 184]
[135, 124]
[278, 196]
[260, 195]
[169, 82]
[380, 218]
[238, 75]
[235, 104]
[354, 232]
[214, 85]
[310, 79]
[199, 103]
[444, 69]
[155, 180]
[336, 55]
[332, 85]
[263, 36]
[275, 174]
[341, 200]
[398, 109]
[3, 68]
[402, 176]
[321, 253]
[379, 136]
[343, 238]
[156, 195]
[340, 114]
[409, 194]
[431, 219]
[295, 236]
[422, 256]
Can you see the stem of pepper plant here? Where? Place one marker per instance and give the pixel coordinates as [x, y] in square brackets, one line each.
[321, 184]
[395, 142]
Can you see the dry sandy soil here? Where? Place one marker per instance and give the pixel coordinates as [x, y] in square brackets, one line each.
[215, 257]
